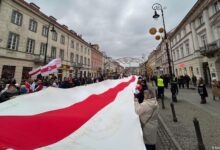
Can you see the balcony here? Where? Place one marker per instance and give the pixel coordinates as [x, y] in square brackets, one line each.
[39, 59]
[209, 49]
[77, 65]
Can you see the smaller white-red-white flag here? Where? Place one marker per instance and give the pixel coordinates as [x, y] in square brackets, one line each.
[35, 72]
[50, 68]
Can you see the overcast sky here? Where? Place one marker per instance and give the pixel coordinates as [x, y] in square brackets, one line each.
[120, 27]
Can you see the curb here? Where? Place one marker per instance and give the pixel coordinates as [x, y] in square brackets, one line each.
[170, 133]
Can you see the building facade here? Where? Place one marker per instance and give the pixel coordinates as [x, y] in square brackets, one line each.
[26, 34]
[97, 61]
[195, 42]
[151, 63]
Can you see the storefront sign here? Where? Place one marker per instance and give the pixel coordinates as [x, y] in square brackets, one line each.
[181, 65]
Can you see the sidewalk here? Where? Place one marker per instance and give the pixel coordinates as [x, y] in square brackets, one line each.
[188, 107]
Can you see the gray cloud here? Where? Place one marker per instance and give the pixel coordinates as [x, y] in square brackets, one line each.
[120, 27]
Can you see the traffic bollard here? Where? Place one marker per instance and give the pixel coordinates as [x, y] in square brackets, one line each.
[173, 112]
[198, 134]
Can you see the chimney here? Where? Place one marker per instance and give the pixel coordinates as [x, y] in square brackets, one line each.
[34, 6]
[65, 27]
[72, 31]
[52, 18]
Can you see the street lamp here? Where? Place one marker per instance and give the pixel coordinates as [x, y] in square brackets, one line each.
[48, 31]
[156, 7]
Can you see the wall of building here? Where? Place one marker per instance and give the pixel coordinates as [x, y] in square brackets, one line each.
[20, 56]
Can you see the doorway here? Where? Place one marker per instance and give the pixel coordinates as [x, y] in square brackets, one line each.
[206, 72]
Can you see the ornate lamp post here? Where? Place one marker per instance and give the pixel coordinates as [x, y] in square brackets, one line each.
[53, 31]
[157, 7]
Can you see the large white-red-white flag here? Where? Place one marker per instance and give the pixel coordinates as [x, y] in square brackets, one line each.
[50, 68]
[99, 116]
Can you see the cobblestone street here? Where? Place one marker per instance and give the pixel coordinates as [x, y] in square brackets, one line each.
[188, 107]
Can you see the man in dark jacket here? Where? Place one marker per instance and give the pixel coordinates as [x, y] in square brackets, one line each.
[65, 84]
[10, 92]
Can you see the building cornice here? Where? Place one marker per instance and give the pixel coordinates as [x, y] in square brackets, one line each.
[50, 20]
[194, 12]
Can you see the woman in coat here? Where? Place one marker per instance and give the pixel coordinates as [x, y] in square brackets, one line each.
[148, 113]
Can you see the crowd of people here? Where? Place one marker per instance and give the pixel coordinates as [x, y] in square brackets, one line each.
[146, 96]
[9, 88]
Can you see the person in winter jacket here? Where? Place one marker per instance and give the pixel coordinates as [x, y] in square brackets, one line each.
[9, 93]
[202, 91]
[139, 93]
[148, 113]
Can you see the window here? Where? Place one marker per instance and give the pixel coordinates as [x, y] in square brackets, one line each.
[8, 72]
[13, 40]
[33, 25]
[25, 73]
[16, 18]
[30, 46]
[77, 58]
[216, 7]
[182, 52]
[62, 39]
[200, 20]
[81, 48]
[88, 51]
[54, 36]
[204, 40]
[77, 46]
[178, 54]
[85, 60]
[45, 31]
[187, 49]
[81, 59]
[72, 57]
[174, 56]
[88, 62]
[184, 32]
[53, 52]
[85, 50]
[61, 54]
[43, 47]
[72, 44]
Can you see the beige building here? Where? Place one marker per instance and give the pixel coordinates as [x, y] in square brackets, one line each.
[151, 63]
[195, 42]
[25, 32]
[97, 61]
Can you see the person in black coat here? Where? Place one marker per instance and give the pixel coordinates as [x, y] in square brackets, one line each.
[187, 80]
[202, 91]
[174, 88]
[10, 92]
[65, 84]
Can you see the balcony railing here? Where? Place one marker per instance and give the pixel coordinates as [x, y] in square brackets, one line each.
[77, 65]
[39, 59]
[210, 49]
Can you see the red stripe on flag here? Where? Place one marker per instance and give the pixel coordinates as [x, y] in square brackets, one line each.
[30, 132]
[35, 72]
[48, 68]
